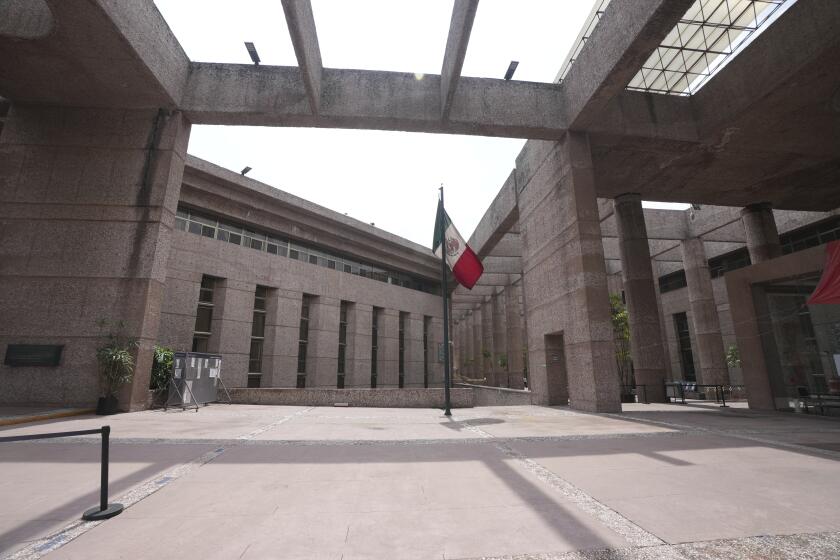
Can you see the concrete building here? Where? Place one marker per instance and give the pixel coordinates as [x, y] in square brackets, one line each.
[93, 167]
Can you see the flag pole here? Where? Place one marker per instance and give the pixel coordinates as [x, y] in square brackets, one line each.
[443, 277]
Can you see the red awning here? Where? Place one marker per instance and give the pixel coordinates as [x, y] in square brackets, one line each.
[828, 290]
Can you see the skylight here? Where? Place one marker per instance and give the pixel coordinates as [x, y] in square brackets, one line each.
[704, 40]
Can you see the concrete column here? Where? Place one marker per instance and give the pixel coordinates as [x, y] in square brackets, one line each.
[666, 351]
[565, 275]
[515, 335]
[357, 364]
[87, 205]
[704, 316]
[762, 235]
[435, 340]
[500, 342]
[388, 365]
[413, 350]
[640, 294]
[477, 358]
[487, 348]
[460, 346]
[233, 312]
[282, 332]
[322, 349]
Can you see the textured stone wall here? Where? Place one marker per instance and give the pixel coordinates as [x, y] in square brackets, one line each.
[241, 269]
[382, 398]
[564, 273]
[87, 206]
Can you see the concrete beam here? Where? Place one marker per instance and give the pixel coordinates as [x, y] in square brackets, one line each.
[500, 217]
[244, 94]
[501, 265]
[621, 42]
[460, 27]
[301, 23]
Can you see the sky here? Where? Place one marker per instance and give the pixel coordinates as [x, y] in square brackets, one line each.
[387, 178]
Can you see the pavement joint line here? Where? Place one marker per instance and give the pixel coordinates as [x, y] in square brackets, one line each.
[779, 547]
[737, 434]
[40, 547]
[630, 531]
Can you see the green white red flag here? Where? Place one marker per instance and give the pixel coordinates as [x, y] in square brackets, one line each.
[461, 259]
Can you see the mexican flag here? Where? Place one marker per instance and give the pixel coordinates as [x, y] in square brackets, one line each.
[461, 259]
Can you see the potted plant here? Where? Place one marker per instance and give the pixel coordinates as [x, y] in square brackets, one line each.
[116, 365]
[161, 373]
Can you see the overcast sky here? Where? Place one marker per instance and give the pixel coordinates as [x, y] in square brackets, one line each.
[389, 178]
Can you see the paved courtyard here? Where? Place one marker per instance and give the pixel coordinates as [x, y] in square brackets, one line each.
[659, 481]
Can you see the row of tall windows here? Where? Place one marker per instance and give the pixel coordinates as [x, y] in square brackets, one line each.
[208, 225]
[204, 322]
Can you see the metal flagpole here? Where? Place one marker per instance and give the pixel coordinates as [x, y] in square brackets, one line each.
[443, 276]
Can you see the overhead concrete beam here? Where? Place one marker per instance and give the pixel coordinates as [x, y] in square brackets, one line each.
[244, 94]
[660, 224]
[301, 23]
[509, 245]
[460, 27]
[625, 36]
[500, 217]
[502, 265]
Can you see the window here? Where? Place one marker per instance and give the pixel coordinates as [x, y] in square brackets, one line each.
[258, 330]
[342, 343]
[811, 235]
[374, 346]
[214, 227]
[684, 343]
[254, 381]
[204, 314]
[303, 340]
[673, 281]
[403, 320]
[718, 266]
[426, 323]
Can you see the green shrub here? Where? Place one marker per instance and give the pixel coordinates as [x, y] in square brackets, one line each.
[161, 369]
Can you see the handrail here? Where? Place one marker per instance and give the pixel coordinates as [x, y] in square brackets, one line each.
[105, 510]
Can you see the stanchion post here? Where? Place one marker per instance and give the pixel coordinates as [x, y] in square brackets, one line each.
[722, 398]
[105, 510]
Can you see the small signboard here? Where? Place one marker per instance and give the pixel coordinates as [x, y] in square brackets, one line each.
[33, 355]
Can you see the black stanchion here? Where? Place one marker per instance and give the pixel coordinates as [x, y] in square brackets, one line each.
[105, 510]
[722, 398]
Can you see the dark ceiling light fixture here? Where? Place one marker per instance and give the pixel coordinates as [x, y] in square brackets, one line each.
[511, 69]
[245, 170]
[252, 51]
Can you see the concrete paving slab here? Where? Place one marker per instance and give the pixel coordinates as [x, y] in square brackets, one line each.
[292, 482]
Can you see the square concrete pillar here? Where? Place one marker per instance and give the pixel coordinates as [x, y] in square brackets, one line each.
[388, 352]
[413, 357]
[487, 350]
[500, 342]
[282, 334]
[435, 340]
[233, 312]
[640, 294]
[87, 205]
[322, 349]
[704, 316]
[357, 368]
[469, 347]
[565, 276]
[515, 335]
[477, 358]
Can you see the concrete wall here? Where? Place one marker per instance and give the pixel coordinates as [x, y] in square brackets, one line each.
[382, 398]
[241, 270]
[498, 396]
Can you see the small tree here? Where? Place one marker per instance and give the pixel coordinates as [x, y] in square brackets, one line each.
[161, 369]
[733, 357]
[115, 358]
[621, 331]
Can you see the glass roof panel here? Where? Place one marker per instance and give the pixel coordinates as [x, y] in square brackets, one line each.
[709, 34]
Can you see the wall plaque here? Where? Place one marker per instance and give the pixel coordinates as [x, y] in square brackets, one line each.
[30, 355]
